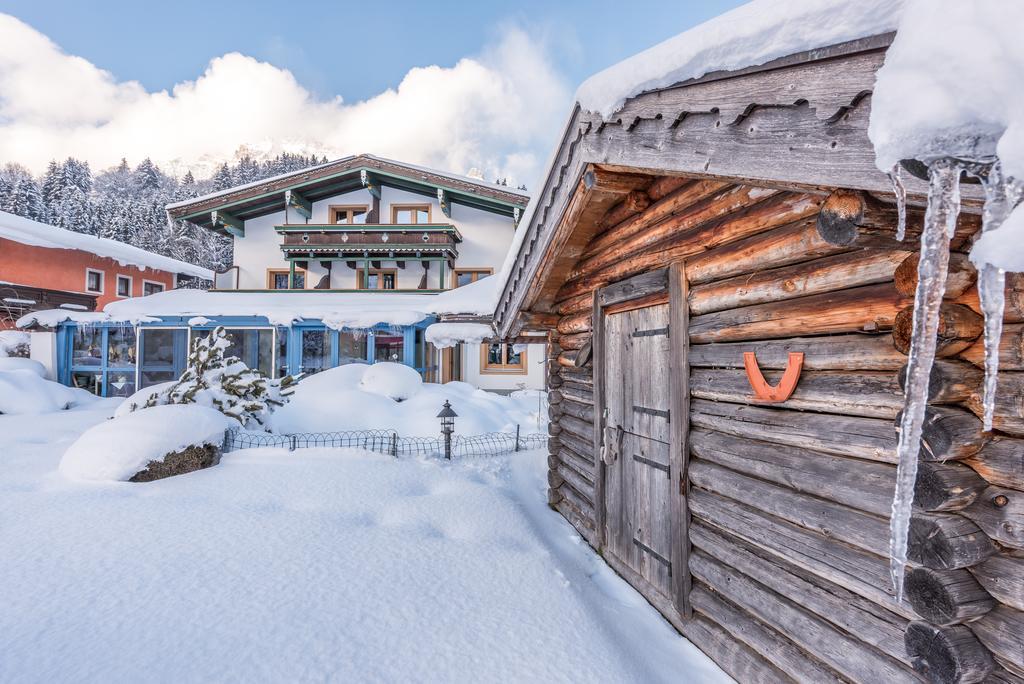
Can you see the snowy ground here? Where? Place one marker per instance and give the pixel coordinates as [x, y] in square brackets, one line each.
[317, 565]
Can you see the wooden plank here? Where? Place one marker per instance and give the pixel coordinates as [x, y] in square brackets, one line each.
[1002, 576]
[679, 451]
[848, 656]
[1002, 632]
[598, 375]
[731, 654]
[636, 287]
[864, 619]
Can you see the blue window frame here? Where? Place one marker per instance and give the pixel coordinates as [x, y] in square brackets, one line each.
[162, 355]
[101, 359]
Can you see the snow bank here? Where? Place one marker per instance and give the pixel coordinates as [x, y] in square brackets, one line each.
[10, 340]
[24, 392]
[952, 84]
[28, 232]
[1003, 248]
[753, 34]
[356, 397]
[393, 380]
[10, 363]
[443, 335]
[117, 449]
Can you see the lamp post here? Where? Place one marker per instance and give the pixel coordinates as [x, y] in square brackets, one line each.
[447, 416]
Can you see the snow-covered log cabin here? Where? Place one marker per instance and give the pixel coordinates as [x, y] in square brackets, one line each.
[733, 312]
[349, 261]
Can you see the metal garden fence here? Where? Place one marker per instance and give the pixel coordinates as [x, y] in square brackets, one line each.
[389, 442]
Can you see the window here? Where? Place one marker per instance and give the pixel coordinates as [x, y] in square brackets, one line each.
[316, 351]
[377, 279]
[103, 360]
[163, 352]
[124, 286]
[348, 214]
[93, 281]
[351, 348]
[410, 213]
[465, 276]
[149, 287]
[501, 358]
[253, 346]
[388, 347]
[277, 279]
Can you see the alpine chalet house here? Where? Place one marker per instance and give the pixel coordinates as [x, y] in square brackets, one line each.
[732, 311]
[348, 261]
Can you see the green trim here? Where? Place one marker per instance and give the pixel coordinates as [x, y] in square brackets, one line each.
[228, 222]
[370, 182]
[300, 204]
[359, 257]
[351, 228]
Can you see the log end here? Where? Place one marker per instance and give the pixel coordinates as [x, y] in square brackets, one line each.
[946, 655]
[943, 541]
[840, 217]
[946, 597]
[959, 327]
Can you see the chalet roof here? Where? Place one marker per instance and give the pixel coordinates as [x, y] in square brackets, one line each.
[266, 196]
[796, 122]
[36, 234]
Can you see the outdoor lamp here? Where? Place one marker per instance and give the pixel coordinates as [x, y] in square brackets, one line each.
[447, 416]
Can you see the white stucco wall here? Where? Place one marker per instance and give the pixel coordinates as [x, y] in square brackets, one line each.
[486, 239]
[532, 379]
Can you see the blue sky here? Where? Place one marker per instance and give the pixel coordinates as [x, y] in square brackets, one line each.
[355, 50]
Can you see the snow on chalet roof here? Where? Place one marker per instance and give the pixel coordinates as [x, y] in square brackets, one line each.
[336, 309]
[747, 36]
[412, 167]
[29, 232]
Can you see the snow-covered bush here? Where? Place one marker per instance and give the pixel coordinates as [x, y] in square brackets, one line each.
[23, 391]
[121, 448]
[14, 343]
[225, 383]
[10, 363]
[392, 380]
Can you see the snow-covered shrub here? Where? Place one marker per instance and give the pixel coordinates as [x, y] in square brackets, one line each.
[120, 449]
[392, 380]
[10, 363]
[24, 392]
[14, 343]
[225, 383]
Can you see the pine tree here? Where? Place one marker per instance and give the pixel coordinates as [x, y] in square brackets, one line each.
[223, 382]
[27, 200]
[147, 176]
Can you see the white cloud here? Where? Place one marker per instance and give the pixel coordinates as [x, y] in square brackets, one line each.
[497, 111]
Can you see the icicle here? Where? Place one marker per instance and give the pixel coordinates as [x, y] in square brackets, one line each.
[1001, 195]
[939, 224]
[900, 190]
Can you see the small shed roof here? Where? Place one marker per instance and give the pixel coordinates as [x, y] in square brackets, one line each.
[29, 232]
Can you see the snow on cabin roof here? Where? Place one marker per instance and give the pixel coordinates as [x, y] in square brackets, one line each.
[36, 234]
[750, 35]
[335, 309]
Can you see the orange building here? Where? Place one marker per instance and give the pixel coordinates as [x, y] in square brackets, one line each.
[46, 267]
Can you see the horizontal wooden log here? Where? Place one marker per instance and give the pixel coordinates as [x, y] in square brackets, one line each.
[861, 309]
[1002, 576]
[865, 620]
[773, 647]
[851, 216]
[573, 479]
[683, 244]
[947, 655]
[615, 244]
[862, 485]
[666, 185]
[578, 445]
[571, 407]
[554, 428]
[582, 465]
[946, 597]
[868, 438]
[950, 381]
[1001, 462]
[1009, 403]
[567, 358]
[835, 521]
[679, 200]
[946, 541]
[578, 517]
[554, 381]
[959, 327]
[580, 376]
[574, 341]
[737, 659]
[946, 486]
[1002, 633]
[554, 496]
[999, 512]
[577, 324]
[1011, 349]
[838, 272]
[578, 393]
[833, 352]
[1001, 676]
[848, 656]
[950, 434]
[869, 393]
[638, 287]
[962, 275]
[580, 429]
[633, 203]
[791, 244]
[1013, 309]
[863, 573]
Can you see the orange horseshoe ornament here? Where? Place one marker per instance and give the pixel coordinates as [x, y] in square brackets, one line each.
[781, 392]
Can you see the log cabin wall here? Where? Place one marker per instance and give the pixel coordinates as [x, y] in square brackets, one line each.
[789, 502]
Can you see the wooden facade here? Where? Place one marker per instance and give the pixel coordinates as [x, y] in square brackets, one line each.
[664, 248]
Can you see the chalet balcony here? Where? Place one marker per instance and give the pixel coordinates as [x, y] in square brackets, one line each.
[362, 241]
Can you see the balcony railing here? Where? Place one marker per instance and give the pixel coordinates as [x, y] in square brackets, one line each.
[347, 241]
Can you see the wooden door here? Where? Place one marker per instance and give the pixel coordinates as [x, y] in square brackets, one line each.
[640, 383]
